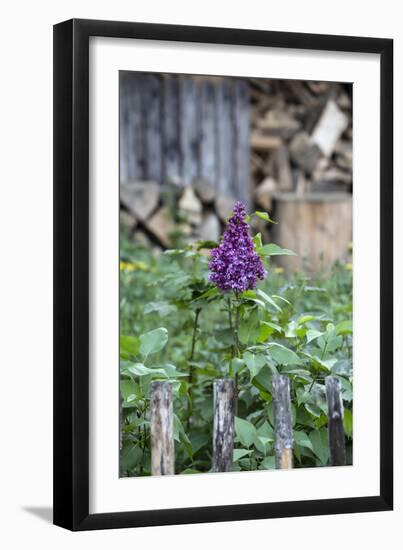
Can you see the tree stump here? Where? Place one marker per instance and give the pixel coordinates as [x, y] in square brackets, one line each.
[316, 226]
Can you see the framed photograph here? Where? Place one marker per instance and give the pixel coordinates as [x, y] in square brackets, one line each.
[223, 274]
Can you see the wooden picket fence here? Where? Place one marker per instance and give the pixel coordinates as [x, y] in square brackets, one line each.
[162, 431]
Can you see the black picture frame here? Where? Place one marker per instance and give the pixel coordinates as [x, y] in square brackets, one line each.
[71, 274]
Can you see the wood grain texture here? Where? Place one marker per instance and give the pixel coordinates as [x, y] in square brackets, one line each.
[190, 137]
[151, 109]
[170, 130]
[178, 128]
[123, 129]
[135, 137]
[337, 444]
[242, 181]
[284, 441]
[225, 139]
[316, 226]
[208, 121]
[162, 430]
[223, 429]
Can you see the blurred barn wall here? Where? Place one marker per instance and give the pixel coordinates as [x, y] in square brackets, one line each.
[179, 129]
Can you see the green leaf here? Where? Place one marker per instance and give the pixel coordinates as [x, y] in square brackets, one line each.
[312, 335]
[129, 345]
[131, 455]
[180, 436]
[249, 328]
[240, 453]
[237, 365]
[257, 239]
[321, 364]
[344, 328]
[141, 370]
[210, 293]
[162, 308]
[348, 422]
[254, 362]
[319, 440]
[264, 216]
[130, 391]
[245, 431]
[206, 244]
[265, 430]
[275, 250]
[153, 341]
[282, 299]
[305, 319]
[263, 381]
[268, 463]
[283, 355]
[313, 409]
[268, 299]
[302, 440]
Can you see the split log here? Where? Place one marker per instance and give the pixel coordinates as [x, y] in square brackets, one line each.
[284, 441]
[224, 205]
[279, 123]
[190, 206]
[329, 128]
[337, 444]
[140, 197]
[223, 429]
[264, 193]
[209, 229]
[161, 226]
[283, 174]
[304, 152]
[162, 430]
[260, 142]
[127, 220]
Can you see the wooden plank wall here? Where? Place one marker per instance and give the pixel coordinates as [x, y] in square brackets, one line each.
[176, 128]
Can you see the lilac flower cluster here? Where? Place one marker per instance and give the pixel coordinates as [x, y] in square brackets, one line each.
[234, 265]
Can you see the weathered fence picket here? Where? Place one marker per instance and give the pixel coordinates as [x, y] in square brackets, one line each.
[223, 429]
[162, 430]
[337, 446]
[282, 422]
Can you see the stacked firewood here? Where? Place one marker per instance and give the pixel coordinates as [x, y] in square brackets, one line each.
[301, 138]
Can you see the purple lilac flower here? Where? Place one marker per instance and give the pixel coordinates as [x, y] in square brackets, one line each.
[234, 265]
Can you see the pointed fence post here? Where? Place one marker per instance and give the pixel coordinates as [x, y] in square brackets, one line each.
[337, 444]
[223, 429]
[282, 422]
[162, 430]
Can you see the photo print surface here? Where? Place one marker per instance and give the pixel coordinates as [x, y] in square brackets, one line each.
[235, 274]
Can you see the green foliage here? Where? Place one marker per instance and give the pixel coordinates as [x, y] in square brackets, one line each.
[176, 326]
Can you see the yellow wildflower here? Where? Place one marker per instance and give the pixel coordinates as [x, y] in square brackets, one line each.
[133, 266]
